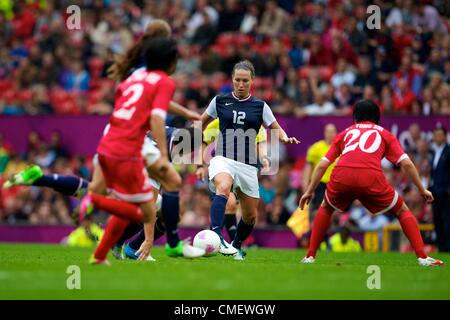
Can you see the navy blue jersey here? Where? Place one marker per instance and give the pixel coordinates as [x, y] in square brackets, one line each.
[239, 121]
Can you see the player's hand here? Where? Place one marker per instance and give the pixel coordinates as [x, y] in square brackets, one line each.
[305, 199]
[144, 250]
[201, 173]
[291, 140]
[427, 195]
[265, 165]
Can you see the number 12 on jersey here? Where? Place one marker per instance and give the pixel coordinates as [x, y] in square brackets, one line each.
[238, 117]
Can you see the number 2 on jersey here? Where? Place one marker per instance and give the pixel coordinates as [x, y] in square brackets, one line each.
[354, 142]
[238, 117]
[127, 109]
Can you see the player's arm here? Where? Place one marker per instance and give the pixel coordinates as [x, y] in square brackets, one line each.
[317, 175]
[261, 149]
[270, 122]
[209, 114]
[179, 110]
[333, 153]
[410, 171]
[160, 105]
[395, 154]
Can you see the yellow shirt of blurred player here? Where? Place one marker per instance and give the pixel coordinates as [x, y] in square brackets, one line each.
[336, 244]
[79, 237]
[213, 129]
[315, 153]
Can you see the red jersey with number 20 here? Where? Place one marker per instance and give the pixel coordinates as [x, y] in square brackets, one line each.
[364, 145]
[143, 94]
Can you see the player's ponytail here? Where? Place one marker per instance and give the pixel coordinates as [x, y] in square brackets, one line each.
[123, 64]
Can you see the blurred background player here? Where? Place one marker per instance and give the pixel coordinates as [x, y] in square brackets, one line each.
[234, 164]
[88, 234]
[358, 175]
[314, 154]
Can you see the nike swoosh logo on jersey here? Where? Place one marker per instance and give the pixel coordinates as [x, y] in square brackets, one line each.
[227, 104]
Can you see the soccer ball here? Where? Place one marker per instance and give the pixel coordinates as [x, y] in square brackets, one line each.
[208, 240]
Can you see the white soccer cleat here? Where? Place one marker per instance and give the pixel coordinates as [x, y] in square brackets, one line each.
[192, 252]
[227, 249]
[309, 259]
[240, 255]
[429, 262]
[150, 258]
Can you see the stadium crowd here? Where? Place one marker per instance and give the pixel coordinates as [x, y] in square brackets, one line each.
[311, 58]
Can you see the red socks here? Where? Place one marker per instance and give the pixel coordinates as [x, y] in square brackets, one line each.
[411, 229]
[118, 208]
[114, 230]
[320, 227]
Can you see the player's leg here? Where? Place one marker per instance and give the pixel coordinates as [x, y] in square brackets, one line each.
[33, 176]
[113, 231]
[139, 236]
[249, 207]
[411, 229]
[380, 197]
[320, 226]
[230, 216]
[339, 194]
[164, 173]
[98, 183]
[223, 183]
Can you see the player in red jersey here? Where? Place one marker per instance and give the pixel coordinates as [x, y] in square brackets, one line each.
[141, 103]
[358, 175]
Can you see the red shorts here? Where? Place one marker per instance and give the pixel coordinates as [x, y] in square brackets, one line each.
[366, 185]
[126, 179]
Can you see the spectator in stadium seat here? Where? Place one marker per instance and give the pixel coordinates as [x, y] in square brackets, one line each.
[230, 17]
[197, 19]
[427, 17]
[403, 97]
[301, 22]
[365, 76]
[206, 33]
[76, 78]
[319, 107]
[249, 23]
[274, 20]
[440, 187]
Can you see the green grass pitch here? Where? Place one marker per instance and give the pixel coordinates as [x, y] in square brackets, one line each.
[39, 272]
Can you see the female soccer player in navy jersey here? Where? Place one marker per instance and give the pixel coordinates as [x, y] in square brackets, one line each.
[234, 165]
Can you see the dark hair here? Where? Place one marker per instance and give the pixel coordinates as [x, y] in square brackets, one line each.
[244, 65]
[123, 64]
[442, 128]
[366, 110]
[160, 54]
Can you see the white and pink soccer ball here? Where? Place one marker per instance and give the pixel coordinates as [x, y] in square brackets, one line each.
[207, 240]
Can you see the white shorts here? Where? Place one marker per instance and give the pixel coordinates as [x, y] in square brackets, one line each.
[150, 151]
[245, 177]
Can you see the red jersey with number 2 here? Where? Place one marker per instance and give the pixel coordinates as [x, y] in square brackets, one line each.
[364, 145]
[143, 94]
